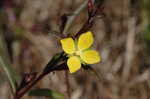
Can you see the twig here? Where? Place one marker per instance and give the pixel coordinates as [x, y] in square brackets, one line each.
[129, 56]
[141, 78]
[92, 13]
[25, 89]
[19, 94]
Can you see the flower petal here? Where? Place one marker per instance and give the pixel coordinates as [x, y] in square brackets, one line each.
[90, 57]
[68, 45]
[85, 40]
[74, 64]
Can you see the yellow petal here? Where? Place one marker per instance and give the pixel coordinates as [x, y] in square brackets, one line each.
[85, 41]
[68, 45]
[74, 64]
[90, 57]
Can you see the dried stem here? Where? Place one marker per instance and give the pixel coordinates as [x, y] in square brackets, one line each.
[67, 84]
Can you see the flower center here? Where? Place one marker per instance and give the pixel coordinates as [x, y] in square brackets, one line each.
[78, 52]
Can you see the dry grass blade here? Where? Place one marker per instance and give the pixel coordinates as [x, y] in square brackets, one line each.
[75, 14]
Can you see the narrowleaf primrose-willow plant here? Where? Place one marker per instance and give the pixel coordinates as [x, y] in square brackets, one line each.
[79, 51]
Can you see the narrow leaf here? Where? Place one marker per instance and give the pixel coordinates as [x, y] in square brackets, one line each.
[54, 61]
[47, 93]
[6, 64]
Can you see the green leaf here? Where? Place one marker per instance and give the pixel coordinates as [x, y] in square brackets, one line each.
[147, 34]
[54, 61]
[47, 93]
[5, 64]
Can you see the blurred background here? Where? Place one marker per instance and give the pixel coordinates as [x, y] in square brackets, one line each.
[29, 37]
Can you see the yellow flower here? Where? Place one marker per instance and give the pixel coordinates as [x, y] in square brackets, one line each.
[79, 52]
